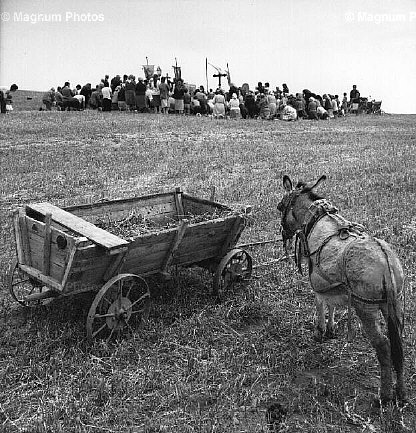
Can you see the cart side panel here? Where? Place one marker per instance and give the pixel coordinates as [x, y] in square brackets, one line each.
[88, 269]
[159, 209]
[147, 254]
[207, 240]
[199, 206]
[60, 248]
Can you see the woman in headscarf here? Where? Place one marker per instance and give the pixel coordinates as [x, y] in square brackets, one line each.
[219, 104]
[141, 100]
[234, 105]
[178, 95]
[129, 93]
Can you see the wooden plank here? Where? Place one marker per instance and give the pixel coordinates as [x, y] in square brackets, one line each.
[72, 252]
[21, 236]
[157, 213]
[98, 236]
[190, 257]
[123, 203]
[116, 266]
[38, 275]
[175, 244]
[47, 244]
[149, 206]
[18, 238]
[233, 235]
[178, 203]
[196, 206]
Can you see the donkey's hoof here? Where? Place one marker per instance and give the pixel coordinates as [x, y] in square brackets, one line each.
[330, 334]
[401, 397]
[318, 336]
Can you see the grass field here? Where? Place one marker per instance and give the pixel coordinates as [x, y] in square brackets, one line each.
[200, 366]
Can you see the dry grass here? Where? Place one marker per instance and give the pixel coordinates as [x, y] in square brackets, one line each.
[199, 366]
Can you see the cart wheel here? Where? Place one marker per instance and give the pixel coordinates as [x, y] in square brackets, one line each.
[122, 301]
[234, 267]
[21, 285]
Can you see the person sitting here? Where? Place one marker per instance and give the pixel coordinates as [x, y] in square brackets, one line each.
[6, 97]
[264, 110]
[271, 100]
[250, 104]
[68, 98]
[300, 106]
[234, 106]
[202, 98]
[95, 100]
[106, 93]
[86, 92]
[219, 104]
[48, 99]
[322, 113]
[195, 106]
[312, 108]
[289, 113]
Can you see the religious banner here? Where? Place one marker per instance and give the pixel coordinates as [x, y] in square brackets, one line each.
[149, 71]
[177, 70]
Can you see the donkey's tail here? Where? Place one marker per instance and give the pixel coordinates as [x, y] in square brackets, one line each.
[395, 320]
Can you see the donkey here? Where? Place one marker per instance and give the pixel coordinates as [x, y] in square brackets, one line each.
[349, 267]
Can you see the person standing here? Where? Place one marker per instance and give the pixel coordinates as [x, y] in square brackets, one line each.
[122, 98]
[344, 105]
[6, 97]
[140, 92]
[178, 94]
[114, 99]
[86, 92]
[354, 94]
[130, 93]
[187, 101]
[164, 95]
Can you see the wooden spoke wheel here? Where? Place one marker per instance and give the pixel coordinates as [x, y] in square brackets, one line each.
[121, 303]
[236, 266]
[22, 285]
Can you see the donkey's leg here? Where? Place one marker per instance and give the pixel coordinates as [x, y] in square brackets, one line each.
[320, 317]
[330, 331]
[370, 319]
[398, 367]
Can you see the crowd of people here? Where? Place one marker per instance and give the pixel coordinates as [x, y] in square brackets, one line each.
[6, 97]
[158, 94]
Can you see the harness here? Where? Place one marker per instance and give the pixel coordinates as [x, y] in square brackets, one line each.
[345, 231]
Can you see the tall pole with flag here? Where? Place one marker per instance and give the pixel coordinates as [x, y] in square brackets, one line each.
[206, 71]
[228, 75]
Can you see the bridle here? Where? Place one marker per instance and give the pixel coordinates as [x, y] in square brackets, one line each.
[285, 208]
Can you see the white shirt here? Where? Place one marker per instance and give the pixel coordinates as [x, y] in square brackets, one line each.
[106, 91]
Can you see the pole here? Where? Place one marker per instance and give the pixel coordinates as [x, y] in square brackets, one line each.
[206, 71]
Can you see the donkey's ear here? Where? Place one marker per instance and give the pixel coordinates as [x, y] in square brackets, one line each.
[319, 181]
[287, 183]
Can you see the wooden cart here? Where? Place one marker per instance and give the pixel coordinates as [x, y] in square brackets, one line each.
[62, 251]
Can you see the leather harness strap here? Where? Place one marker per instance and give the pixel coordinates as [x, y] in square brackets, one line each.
[346, 229]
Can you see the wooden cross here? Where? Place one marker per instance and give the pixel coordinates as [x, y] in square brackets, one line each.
[219, 75]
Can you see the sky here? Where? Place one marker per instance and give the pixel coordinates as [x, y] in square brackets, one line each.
[325, 46]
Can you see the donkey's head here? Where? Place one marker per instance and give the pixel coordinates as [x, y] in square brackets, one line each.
[295, 203]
